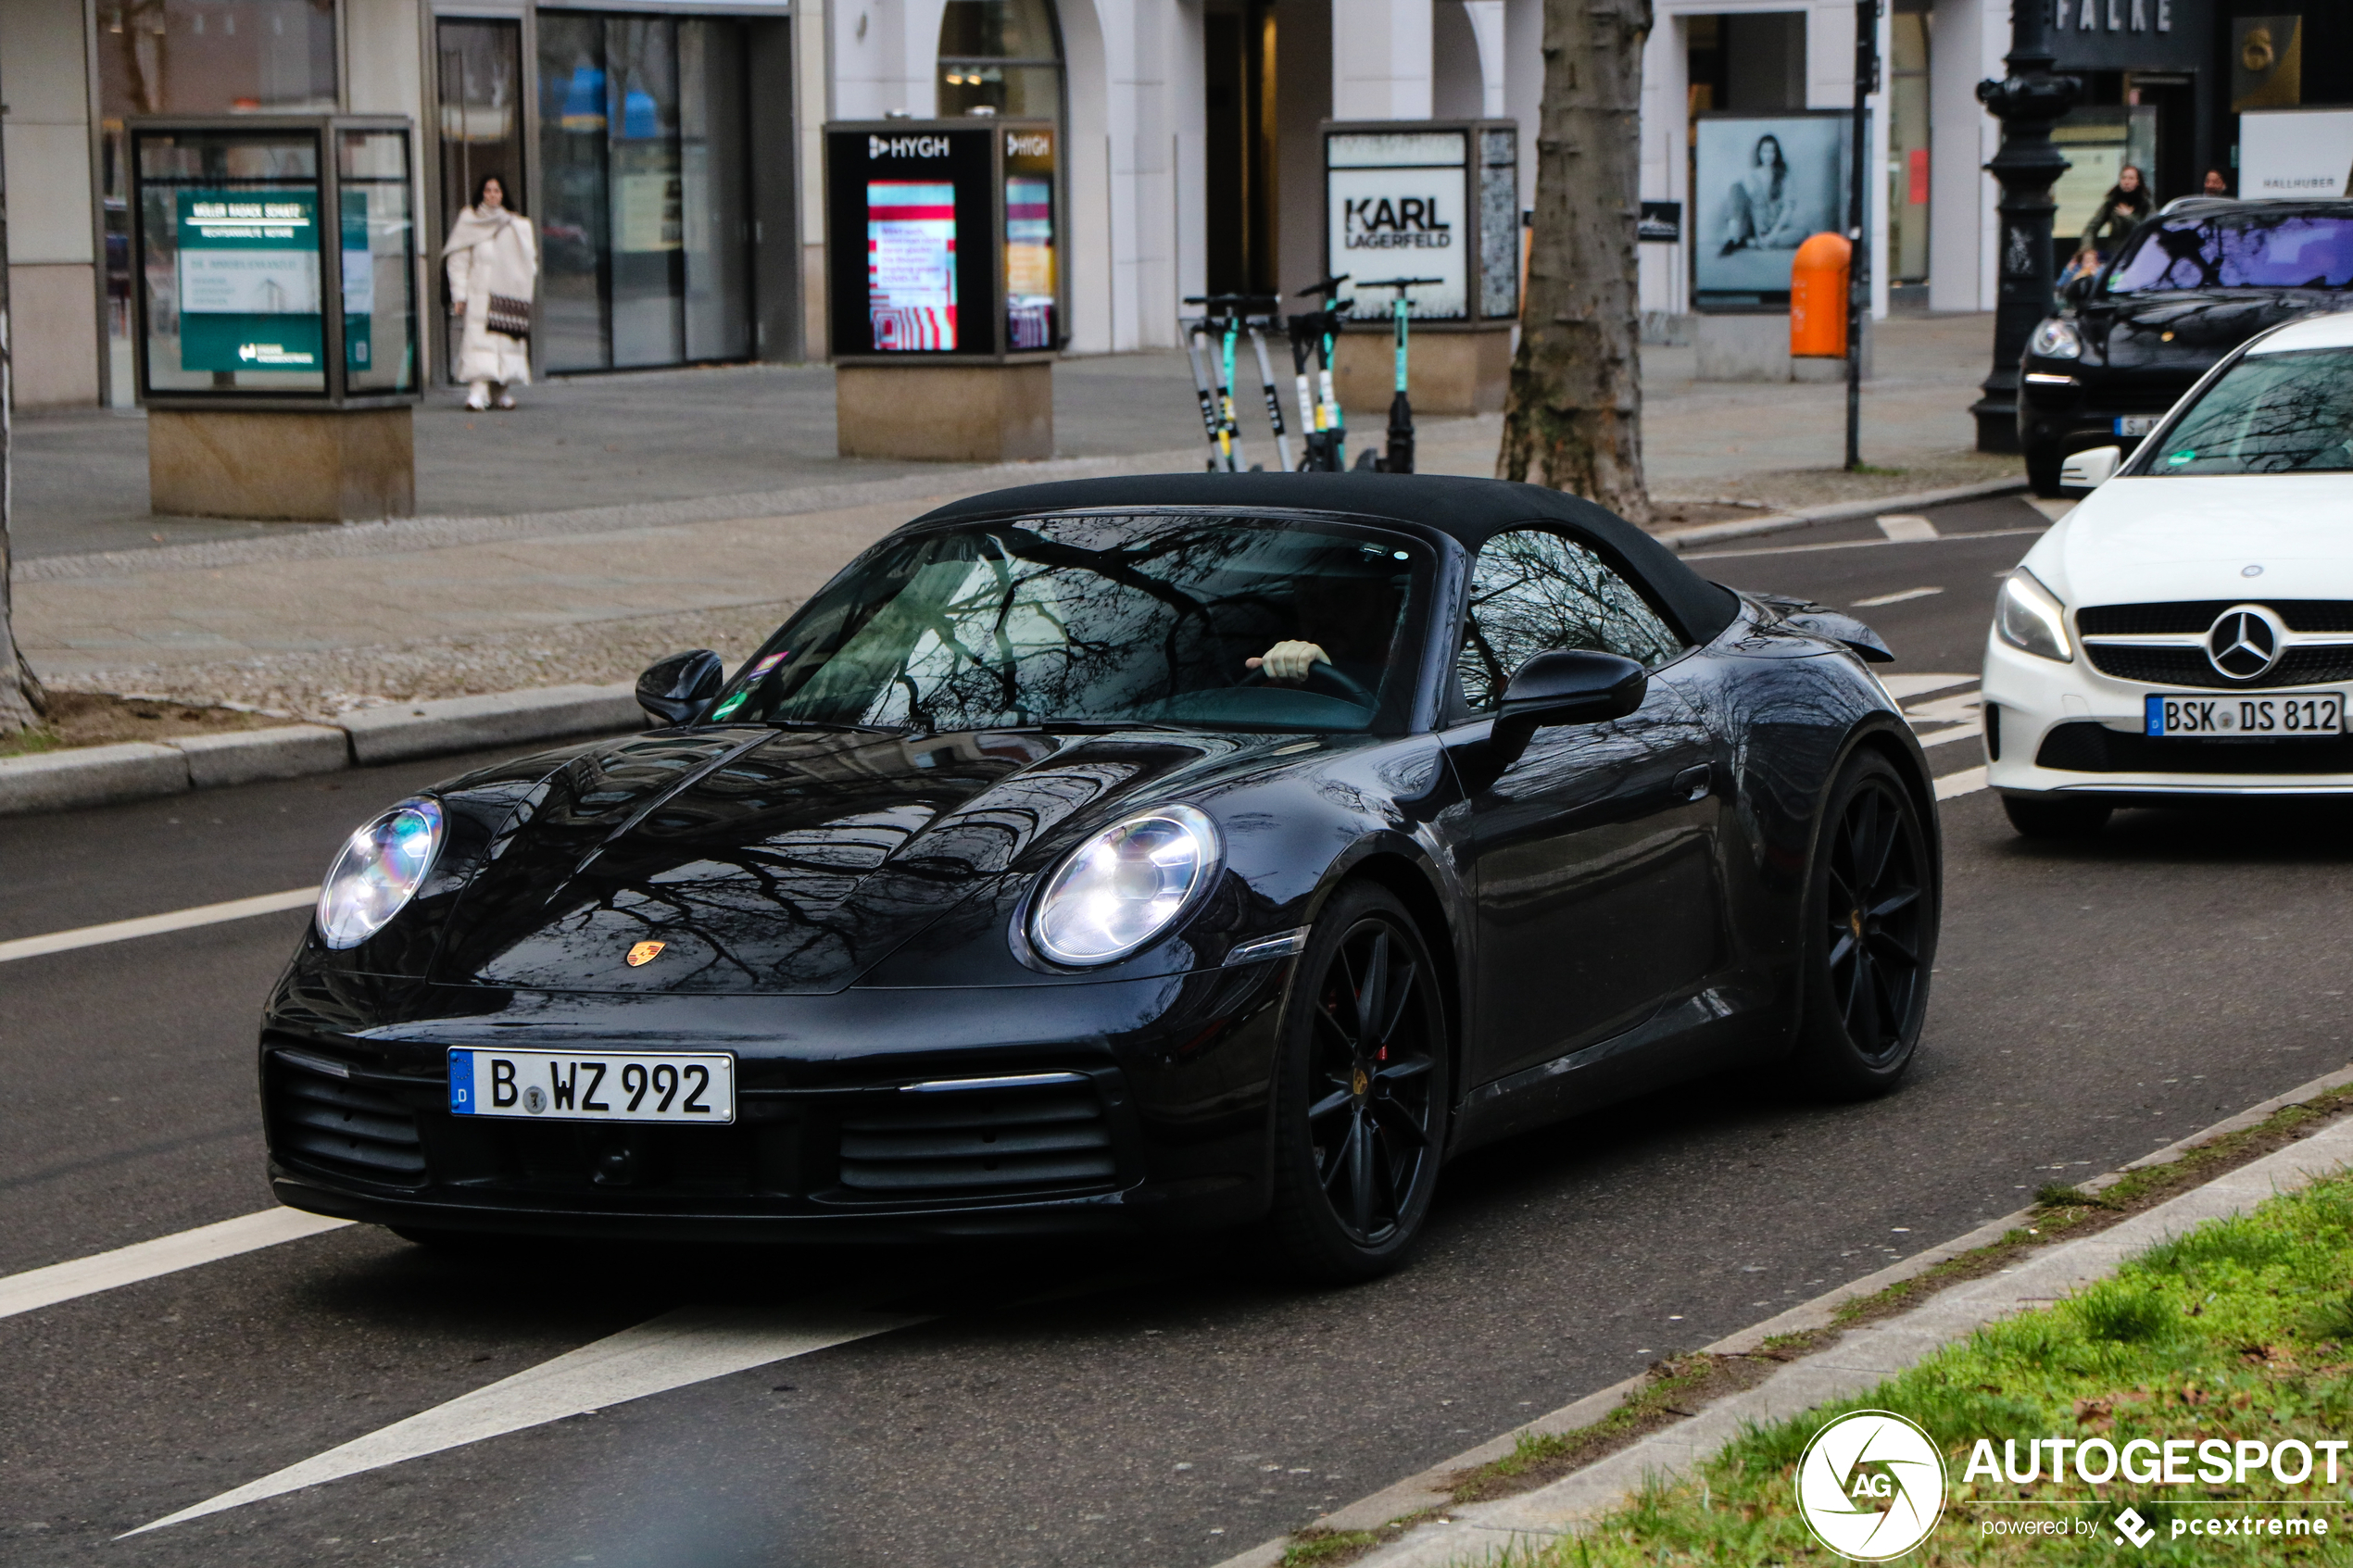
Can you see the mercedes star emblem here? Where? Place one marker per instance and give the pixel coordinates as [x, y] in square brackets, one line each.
[2245, 642]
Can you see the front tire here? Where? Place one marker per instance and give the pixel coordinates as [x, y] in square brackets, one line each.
[2060, 818]
[1360, 1096]
[1871, 916]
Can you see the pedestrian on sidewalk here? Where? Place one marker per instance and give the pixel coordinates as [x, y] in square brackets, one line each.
[493, 271]
[2124, 208]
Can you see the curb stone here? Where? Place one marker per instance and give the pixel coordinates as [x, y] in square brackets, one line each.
[1926, 1328]
[106, 775]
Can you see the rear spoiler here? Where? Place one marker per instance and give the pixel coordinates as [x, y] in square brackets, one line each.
[1823, 622]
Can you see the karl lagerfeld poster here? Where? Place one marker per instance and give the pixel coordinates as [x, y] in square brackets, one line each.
[1761, 185]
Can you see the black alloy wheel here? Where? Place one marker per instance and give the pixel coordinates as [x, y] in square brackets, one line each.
[1870, 934]
[1361, 1097]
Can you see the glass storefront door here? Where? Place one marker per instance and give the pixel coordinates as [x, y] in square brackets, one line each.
[645, 218]
[480, 79]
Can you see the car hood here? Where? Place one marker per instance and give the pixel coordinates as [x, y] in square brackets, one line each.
[773, 862]
[2190, 331]
[2138, 540]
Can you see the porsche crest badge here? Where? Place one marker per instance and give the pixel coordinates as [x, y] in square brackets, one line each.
[645, 953]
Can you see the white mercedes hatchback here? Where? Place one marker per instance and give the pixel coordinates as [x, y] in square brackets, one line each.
[2187, 630]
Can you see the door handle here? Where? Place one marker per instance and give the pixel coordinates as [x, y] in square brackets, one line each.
[1693, 782]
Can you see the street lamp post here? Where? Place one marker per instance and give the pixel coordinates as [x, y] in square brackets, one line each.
[2027, 102]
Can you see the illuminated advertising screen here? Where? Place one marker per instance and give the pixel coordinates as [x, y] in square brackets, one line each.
[962, 228]
[1428, 200]
[248, 281]
[911, 264]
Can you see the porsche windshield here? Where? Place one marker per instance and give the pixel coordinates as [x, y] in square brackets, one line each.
[2238, 250]
[1249, 622]
[2270, 413]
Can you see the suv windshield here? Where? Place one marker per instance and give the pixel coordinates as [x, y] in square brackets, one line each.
[2270, 413]
[2238, 250]
[1153, 619]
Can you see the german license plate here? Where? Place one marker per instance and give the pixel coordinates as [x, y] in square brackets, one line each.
[2137, 424]
[594, 1085]
[2274, 716]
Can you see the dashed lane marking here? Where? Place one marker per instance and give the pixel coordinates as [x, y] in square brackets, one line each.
[1906, 528]
[1878, 600]
[1863, 544]
[1904, 688]
[690, 1345]
[35, 1288]
[156, 925]
[1969, 781]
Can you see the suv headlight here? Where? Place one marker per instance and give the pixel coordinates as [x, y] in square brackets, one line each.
[2056, 338]
[1123, 887]
[378, 872]
[2030, 617]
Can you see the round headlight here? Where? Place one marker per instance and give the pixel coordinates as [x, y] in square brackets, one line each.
[378, 872]
[1123, 887]
[2056, 338]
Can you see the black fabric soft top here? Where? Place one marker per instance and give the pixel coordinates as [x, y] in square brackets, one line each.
[1468, 509]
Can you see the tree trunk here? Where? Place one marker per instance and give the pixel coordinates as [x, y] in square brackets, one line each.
[1574, 418]
[21, 700]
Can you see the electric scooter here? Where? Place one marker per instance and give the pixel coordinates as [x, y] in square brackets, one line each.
[1323, 429]
[1398, 457]
[1214, 382]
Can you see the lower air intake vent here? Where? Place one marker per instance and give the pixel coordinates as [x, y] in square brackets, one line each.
[984, 1137]
[341, 1124]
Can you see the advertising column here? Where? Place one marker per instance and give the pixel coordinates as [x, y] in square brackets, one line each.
[946, 321]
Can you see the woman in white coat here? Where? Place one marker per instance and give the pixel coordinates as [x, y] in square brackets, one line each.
[494, 269]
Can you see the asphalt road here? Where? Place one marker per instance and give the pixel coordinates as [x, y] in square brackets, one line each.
[1061, 1407]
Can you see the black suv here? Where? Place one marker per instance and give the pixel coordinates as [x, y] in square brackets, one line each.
[2191, 284]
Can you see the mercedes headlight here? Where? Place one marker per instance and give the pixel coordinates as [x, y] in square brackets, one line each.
[378, 872]
[2030, 617]
[2056, 338]
[1123, 887]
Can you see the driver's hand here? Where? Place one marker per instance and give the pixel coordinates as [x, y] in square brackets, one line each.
[1289, 661]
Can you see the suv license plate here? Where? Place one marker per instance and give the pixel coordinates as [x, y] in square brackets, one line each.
[2276, 716]
[671, 1086]
[2135, 424]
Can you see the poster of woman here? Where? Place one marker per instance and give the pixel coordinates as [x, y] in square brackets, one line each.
[1762, 185]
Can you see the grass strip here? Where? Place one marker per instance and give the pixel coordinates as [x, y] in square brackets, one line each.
[2241, 1329]
[1680, 1384]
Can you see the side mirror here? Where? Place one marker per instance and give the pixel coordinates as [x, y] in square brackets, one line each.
[678, 689]
[2078, 289]
[1573, 687]
[2089, 470]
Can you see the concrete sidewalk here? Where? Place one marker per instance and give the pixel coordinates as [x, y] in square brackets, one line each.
[544, 568]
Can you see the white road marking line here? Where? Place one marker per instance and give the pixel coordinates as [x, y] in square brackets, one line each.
[156, 925]
[2051, 507]
[1909, 528]
[1959, 731]
[690, 1345]
[1876, 601]
[1862, 544]
[1903, 689]
[1969, 781]
[1962, 708]
[165, 1254]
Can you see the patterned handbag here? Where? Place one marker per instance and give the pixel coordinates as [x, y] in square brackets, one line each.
[512, 318]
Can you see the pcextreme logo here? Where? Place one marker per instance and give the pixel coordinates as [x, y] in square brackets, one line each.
[1871, 1486]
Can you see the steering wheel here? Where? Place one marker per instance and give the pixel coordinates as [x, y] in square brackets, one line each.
[1335, 681]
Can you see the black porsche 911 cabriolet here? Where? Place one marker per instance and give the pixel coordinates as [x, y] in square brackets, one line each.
[1196, 850]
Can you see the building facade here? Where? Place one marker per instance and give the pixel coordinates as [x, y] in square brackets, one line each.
[669, 150]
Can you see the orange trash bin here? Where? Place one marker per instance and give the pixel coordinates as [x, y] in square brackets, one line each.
[1818, 298]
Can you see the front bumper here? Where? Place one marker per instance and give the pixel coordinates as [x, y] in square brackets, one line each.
[2083, 413]
[1146, 1107]
[2053, 728]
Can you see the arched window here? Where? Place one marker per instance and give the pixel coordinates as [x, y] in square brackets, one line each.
[1001, 55]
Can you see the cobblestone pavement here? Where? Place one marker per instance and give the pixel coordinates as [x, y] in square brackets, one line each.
[540, 568]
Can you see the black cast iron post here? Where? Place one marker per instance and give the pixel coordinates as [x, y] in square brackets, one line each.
[1858, 227]
[2028, 102]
